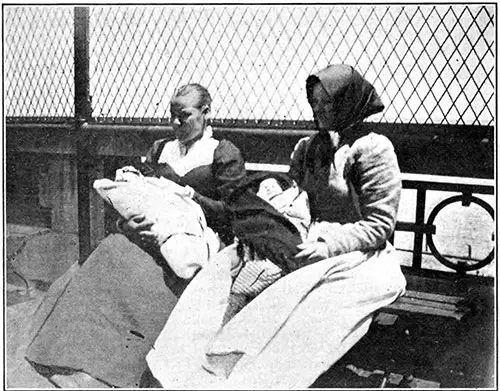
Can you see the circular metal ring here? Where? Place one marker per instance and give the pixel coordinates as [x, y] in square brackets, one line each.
[430, 241]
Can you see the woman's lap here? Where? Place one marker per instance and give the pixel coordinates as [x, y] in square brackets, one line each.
[104, 318]
[326, 323]
[331, 320]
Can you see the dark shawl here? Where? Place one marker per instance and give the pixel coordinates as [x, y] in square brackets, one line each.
[256, 223]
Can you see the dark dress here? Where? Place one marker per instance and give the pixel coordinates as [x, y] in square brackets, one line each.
[102, 317]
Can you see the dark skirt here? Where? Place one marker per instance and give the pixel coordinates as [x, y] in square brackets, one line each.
[103, 317]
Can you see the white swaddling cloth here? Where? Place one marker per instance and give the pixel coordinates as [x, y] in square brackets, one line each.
[293, 203]
[161, 201]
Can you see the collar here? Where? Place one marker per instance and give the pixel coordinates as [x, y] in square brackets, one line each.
[205, 135]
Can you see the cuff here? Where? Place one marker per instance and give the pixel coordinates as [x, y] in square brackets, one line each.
[190, 192]
[119, 225]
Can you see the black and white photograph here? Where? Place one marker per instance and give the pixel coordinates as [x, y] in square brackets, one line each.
[237, 196]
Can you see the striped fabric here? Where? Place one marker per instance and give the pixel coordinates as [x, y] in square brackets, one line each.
[255, 275]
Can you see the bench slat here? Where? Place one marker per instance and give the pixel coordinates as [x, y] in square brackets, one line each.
[433, 297]
[408, 307]
[428, 303]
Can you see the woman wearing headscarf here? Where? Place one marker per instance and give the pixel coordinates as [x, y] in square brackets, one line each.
[345, 270]
[99, 320]
[351, 175]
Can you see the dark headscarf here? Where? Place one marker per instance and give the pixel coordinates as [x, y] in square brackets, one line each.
[353, 98]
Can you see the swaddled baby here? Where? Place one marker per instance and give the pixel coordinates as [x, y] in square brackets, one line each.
[186, 242]
[262, 265]
[292, 203]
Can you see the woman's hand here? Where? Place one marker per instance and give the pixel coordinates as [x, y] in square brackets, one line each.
[313, 251]
[140, 227]
[135, 224]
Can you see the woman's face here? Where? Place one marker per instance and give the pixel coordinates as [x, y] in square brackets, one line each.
[323, 108]
[188, 120]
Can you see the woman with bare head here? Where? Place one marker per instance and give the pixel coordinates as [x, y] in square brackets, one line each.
[99, 320]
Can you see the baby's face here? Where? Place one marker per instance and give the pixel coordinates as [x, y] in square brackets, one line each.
[269, 188]
[127, 174]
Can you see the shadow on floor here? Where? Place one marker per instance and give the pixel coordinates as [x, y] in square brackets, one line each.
[18, 373]
[423, 351]
[416, 351]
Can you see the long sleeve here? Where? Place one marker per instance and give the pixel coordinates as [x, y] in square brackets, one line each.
[376, 180]
[297, 161]
[228, 168]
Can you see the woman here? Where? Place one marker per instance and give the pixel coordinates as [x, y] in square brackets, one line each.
[302, 324]
[96, 325]
[351, 176]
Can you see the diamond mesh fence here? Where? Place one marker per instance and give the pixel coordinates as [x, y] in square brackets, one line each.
[431, 64]
[38, 63]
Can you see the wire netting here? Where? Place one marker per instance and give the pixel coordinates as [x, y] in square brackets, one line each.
[38, 63]
[431, 64]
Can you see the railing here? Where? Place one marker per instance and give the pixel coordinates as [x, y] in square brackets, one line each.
[114, 145]
[433, 64]
[467, 187]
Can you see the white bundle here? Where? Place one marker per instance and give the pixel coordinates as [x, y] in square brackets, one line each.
[179, 221]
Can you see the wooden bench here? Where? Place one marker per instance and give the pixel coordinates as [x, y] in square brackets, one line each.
[430, 304]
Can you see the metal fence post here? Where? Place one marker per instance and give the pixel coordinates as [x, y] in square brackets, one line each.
[83, 112]
[419, 235]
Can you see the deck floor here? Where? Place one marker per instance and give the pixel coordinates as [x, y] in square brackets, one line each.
[417, 351]
[421, 351]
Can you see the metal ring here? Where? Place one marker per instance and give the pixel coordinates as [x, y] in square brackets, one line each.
[463, 198]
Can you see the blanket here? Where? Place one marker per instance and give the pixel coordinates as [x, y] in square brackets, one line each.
[175, 216]
[270, 218]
